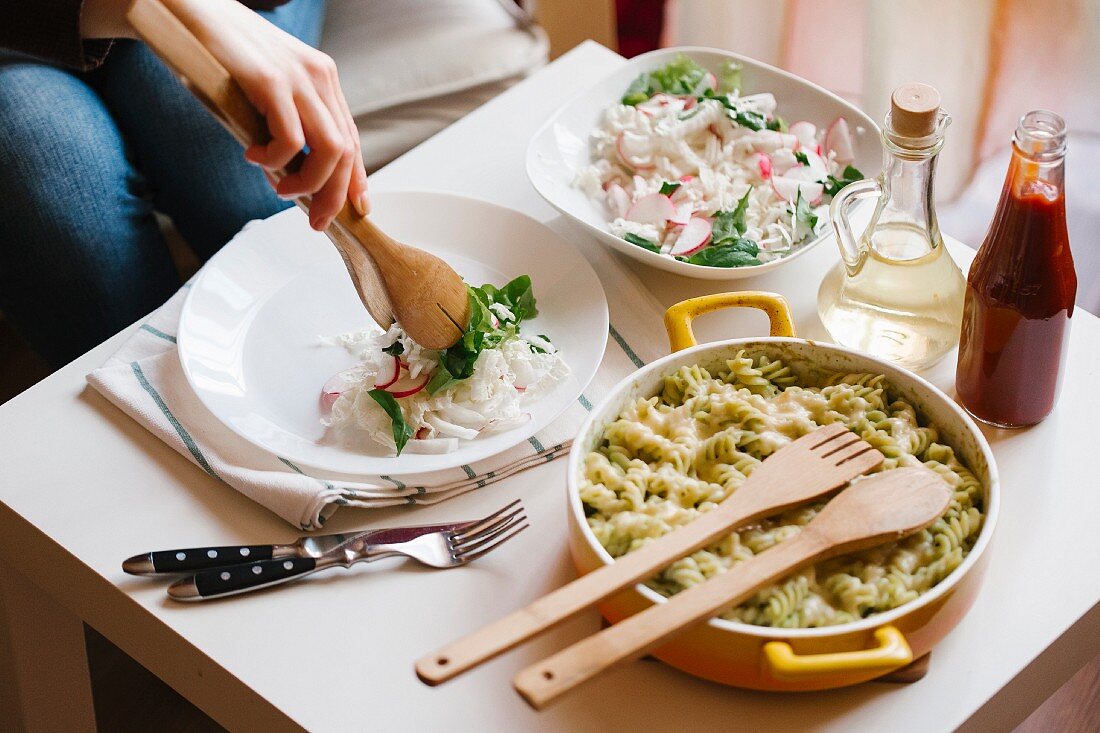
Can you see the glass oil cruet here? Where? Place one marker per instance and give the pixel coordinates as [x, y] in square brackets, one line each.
[897, 294]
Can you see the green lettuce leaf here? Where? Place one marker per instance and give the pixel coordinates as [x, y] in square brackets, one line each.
[740, 252]
[402, 431]
[642, 242]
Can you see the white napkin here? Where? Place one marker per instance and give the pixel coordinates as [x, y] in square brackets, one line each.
[145, 380]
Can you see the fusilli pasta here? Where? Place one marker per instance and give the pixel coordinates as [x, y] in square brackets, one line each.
[668, 458]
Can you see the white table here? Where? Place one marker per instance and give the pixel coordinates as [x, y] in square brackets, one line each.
[83, 487]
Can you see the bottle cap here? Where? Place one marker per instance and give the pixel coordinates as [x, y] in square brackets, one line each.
[914, 108]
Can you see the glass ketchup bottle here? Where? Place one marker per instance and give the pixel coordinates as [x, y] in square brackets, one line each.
[1021, 287]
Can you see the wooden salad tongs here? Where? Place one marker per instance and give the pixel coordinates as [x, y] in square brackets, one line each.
[802, 471]
[395, 281]
[873, 510]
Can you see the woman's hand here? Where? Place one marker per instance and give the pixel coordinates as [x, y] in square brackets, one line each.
[296, 88]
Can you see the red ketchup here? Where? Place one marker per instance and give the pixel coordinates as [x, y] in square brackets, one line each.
[1021, 288]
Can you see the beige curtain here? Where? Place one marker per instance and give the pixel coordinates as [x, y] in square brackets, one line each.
[992, 60]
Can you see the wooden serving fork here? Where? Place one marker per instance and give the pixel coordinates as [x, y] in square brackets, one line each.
[873, 510]
[394, 280]
[801, 471]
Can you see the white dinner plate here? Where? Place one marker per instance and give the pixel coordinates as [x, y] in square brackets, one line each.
[251, 327]
[561, 147]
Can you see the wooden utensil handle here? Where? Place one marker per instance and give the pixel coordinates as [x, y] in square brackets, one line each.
[587, 590]
[207, 79]
[541, 683]
[213, 85]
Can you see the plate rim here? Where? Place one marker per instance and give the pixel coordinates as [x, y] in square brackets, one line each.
[183, 338]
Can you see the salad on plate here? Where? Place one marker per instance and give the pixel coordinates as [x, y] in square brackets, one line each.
[689, 167]
[406, 397]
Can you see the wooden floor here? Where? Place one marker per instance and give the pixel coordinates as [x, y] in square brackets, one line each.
[130, 698]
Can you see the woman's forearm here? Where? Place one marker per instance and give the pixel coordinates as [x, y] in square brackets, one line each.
[105, 19]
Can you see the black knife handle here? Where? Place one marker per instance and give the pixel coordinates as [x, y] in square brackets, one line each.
[238, 578]
[195, 558]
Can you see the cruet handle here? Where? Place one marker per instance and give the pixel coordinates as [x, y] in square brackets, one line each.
[851, 250]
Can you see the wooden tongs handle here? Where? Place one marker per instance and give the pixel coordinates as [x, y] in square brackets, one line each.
[213, 85]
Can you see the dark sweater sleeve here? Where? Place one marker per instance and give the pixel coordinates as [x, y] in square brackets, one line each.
[50, 30]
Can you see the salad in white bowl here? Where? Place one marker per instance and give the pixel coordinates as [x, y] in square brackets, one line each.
[690, 168]
[408, 398]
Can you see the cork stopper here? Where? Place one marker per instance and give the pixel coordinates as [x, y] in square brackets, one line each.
[914, 108]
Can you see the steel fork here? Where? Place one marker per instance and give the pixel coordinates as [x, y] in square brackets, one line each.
[443, 549]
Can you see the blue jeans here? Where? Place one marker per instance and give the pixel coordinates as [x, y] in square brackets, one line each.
[85, 161]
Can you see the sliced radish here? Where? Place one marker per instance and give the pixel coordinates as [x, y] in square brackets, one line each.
[388, 372]
[787, 188]
[763, 164]
[814, 160]
[408, 386]
[336, 385]
[689, 103]
[693, 238]
[652, 209]
[683, 214]
[687, 179]
[631, 149]
[806, 132]
[618, 200]
[838, 140]
[804, 173]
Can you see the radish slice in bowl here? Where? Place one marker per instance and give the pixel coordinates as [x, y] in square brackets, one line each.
[787, 188]
[388, 372]
[838, 140]
[763, 164]
[806, 132]
[693, 238]
[336, 385]
[653, 209]
[408, 386]
[618, 199]
[683, 214]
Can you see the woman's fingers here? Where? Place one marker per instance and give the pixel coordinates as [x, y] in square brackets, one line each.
[357, 188]
[326, 146]
[327, 202]
[285, 126]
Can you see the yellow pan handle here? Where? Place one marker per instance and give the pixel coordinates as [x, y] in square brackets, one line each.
[892, 653]
[678, 318]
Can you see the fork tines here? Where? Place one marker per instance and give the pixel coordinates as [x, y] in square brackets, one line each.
[489, 533]
[841, 445]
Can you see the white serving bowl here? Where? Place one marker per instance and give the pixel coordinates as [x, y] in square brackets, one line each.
[561, 147]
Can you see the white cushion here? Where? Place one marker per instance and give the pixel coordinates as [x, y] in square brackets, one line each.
[393, 52]
[387, 133]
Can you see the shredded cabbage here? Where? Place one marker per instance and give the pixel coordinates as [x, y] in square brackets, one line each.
[510, 372]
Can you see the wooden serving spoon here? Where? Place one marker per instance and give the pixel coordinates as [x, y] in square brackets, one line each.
[872, 510]
[394, 280]
[804, 470]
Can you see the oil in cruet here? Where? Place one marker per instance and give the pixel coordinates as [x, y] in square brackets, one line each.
[897, 294]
